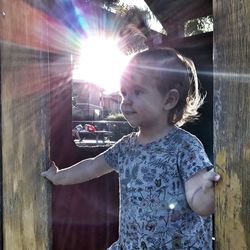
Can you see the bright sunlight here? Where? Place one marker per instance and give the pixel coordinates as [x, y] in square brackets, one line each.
[101, 62]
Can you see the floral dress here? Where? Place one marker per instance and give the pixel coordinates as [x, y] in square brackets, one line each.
[154, 213]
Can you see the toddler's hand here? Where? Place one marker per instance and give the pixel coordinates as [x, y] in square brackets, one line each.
[50, 173]
[210, 178]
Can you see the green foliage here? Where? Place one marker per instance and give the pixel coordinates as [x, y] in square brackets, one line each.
[199, 26]
[115, 117]
[119, 129]
[107, 3]
[133, 14]
[135, 28]
[119, 126]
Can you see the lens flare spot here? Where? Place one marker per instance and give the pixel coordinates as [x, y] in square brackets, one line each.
[101, 62]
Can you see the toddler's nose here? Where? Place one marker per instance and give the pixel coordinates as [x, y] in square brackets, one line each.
[127, 99]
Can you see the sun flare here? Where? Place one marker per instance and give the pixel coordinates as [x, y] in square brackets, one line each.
[101, 62]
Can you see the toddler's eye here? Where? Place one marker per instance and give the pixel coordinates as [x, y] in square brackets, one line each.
[137, 92]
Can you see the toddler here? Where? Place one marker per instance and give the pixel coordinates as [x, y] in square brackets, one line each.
[166, 179]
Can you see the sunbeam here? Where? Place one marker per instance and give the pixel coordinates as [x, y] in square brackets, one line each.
[101, 62]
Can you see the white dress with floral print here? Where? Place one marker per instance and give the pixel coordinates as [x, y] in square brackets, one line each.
[154, 213]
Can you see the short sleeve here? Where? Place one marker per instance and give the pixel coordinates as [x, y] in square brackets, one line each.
[192, 157]
[111, 155]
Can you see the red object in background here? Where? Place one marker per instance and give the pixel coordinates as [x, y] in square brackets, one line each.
[90, 128]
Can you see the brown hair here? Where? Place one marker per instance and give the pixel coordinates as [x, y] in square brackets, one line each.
[171, 70]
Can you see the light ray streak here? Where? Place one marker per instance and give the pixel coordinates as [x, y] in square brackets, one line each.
[228, 75]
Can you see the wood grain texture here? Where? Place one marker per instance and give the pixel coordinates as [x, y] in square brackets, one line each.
[22, 24]
[25, 134]
[232, 123]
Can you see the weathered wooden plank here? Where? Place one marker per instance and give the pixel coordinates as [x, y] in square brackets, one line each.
[25, 136]
[22, 24]
[232, 123]
[169, 10]
[25, 149]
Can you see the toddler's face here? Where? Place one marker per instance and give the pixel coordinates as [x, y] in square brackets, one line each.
[142, 103]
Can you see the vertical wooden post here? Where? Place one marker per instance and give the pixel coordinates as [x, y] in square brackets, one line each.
[25, 117]
[232, 122]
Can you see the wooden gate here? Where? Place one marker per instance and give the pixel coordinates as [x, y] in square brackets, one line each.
[27, 76]
[232, 123]
[25, 127]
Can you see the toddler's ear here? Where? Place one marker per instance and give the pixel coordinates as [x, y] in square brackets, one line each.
[171, 99]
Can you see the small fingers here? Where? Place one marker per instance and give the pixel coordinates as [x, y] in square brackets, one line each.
[212, 176]
[44, 174]
[51, 171]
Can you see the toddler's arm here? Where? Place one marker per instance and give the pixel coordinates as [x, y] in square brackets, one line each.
[80, 172]
[200, 192]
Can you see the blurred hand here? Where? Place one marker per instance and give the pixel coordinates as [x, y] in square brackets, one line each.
[210, 178]
[51, 172]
